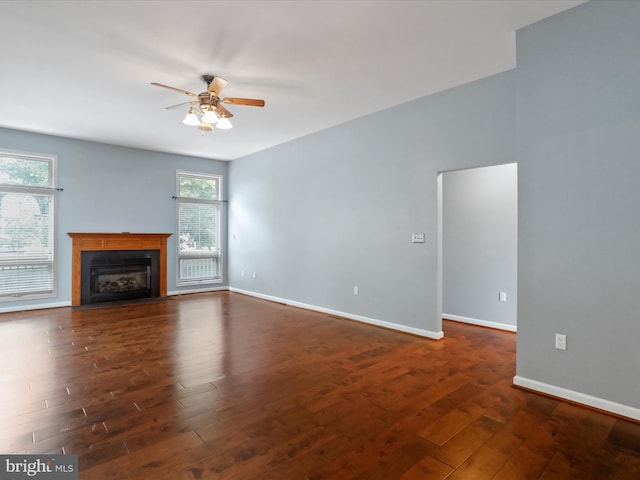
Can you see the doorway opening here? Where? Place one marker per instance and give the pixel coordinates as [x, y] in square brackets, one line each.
[477, 246]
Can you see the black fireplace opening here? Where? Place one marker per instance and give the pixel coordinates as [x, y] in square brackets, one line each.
[114, 275]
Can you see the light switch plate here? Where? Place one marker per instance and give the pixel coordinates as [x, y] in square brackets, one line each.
[417, 237]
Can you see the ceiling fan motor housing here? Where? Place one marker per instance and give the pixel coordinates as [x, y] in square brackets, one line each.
[208, 101]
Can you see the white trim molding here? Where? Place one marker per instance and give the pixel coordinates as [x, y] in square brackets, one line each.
[371, 321]
[482, 323]
[578, 397]
[42, 306]
[35, 306]
[196, 290]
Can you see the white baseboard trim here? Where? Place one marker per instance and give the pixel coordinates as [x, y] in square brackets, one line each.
[372, 321]
[35, 306]
[482, 323]
[42, 306]
[197, 290]
[577, 397]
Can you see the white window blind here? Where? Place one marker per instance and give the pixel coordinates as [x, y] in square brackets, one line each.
[27, 200]
[199, 211]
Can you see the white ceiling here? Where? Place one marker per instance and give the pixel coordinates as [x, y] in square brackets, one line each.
[83, 69]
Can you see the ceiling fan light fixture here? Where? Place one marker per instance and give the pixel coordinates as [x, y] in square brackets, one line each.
[191, 119]
[208, 110]
[224, 124]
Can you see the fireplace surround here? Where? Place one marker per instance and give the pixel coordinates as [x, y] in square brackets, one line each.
[118, 266]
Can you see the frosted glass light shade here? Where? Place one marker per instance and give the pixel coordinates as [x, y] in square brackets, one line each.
[210, 117]
[224, 124]
[191, 118]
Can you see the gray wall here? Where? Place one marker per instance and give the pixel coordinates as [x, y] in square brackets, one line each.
[578, 96]
[321, 214]
[480, 237]
[324, 213]
[108, 189]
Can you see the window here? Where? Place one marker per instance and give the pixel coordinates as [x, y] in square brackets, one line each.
[199, 213]
[27, 227]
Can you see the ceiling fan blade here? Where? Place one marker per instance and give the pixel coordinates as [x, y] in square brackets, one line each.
[174, 89]
[243, 101]
[216, 85]
[223, 112]
[193, 102]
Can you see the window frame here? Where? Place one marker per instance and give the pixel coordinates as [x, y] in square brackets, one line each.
[220, 227]
[52, 191]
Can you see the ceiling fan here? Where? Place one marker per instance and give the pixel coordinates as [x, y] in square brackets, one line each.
[209, 105]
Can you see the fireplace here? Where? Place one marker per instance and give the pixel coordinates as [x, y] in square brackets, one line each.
[118, 266]
[119, 275]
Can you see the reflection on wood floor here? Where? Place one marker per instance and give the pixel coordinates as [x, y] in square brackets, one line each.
[225, 386]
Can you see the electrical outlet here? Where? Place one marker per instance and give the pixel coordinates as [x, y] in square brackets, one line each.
[561, 341]
[502, 296]
[242, 273]
[356, 290]
[254, 274]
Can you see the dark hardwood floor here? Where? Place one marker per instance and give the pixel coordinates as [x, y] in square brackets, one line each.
[225, 386]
